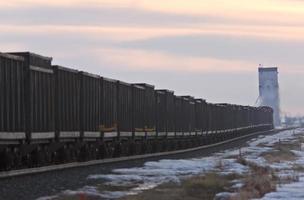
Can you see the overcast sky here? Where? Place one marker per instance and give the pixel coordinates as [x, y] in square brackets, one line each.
[206, 48]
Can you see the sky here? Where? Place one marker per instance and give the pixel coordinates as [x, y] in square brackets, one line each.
[209, 49]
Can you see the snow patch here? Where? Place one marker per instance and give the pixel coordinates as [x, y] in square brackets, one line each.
[292, 191]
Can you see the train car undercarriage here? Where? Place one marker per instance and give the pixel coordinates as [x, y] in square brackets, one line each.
[48, 152]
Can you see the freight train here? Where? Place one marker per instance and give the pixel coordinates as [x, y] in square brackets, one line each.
[51, 114]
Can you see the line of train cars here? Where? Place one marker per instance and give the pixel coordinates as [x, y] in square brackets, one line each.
[52, 114]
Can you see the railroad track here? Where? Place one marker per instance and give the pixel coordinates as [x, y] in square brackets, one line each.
[28, 171]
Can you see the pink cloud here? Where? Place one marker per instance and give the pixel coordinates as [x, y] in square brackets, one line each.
[156, 61]
[124, 33]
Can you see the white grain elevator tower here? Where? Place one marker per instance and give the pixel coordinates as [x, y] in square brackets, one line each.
[269, 91]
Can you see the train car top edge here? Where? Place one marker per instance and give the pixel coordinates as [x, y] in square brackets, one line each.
[59, 67]
[109, 79]
[31, 54]
[199, 100]
[124, 83]
[138, 86]
[89, 74]
[11, 56]
[145, 85]
[165, 91]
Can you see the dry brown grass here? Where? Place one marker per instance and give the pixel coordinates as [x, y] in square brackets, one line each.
[298, 168]
[289, 179]
[257, 183]
[76, 197]
[195, 188]
[103, 187]
[163, 192]
[205, 187]
[282, 153]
